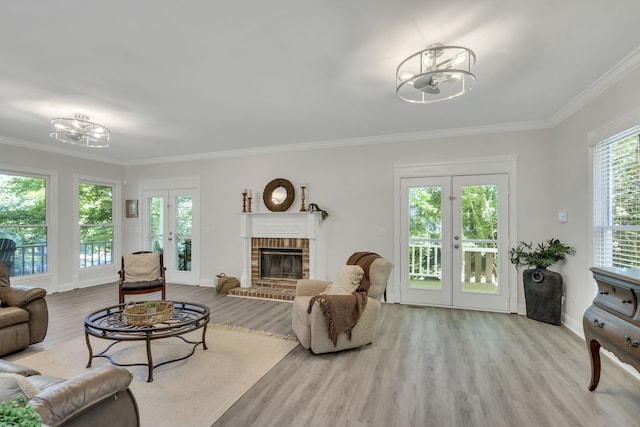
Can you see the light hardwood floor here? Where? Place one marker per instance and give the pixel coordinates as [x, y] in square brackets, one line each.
[427, 367]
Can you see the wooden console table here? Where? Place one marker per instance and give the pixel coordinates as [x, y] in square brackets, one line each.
[613, 320]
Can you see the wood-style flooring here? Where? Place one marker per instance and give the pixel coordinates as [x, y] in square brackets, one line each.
[427, 367]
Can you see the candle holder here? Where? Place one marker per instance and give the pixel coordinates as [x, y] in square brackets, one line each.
[302, 208]
[244, 201]
[249, 203]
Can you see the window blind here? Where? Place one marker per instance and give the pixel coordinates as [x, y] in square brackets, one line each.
[616, 174]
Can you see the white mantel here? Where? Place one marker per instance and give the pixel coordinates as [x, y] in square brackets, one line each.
[294, 225]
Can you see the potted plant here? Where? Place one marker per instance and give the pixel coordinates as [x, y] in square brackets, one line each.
[151, 306]
[313, 207]
[18, 412]
[542, 288]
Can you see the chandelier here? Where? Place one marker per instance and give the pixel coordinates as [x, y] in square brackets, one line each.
[435, 74]
[80, 131]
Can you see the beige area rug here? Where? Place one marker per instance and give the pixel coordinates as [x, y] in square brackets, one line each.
[193, 392]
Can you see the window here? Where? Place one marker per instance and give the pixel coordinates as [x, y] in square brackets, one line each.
[23, 223]
[616, 173]
[95, 217]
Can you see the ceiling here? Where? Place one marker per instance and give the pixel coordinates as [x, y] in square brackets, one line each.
[190, 79]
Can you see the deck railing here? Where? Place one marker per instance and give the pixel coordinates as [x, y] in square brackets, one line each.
[479, 259]
[32, 259]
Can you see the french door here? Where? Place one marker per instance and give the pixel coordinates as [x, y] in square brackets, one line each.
[169, 220]
[454, 232]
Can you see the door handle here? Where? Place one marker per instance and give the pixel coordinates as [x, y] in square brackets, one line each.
[456, 246]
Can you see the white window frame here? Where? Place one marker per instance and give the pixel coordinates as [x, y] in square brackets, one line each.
[51, 185]
[602, 225]
[112, 224]
[103, 273]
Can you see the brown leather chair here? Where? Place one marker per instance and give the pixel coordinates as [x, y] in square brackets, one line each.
[98, 397]
[24, 316]
[141, 273]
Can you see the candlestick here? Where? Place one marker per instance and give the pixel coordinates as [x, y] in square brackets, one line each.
[249, 199]
[244, 201]
[303, 208]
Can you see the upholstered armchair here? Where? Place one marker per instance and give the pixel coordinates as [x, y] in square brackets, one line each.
[311, 327]
[24, 316]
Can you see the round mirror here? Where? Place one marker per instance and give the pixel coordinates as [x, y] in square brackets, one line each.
[278, 195]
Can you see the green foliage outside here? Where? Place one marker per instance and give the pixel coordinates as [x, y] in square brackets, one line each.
[479, 212]
[623, 204]
[95, 213]
[479, 223]
[23, 209]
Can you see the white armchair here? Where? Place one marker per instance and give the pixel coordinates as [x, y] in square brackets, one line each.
[311, 328]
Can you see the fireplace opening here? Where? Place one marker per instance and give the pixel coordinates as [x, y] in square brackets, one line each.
[280, 263]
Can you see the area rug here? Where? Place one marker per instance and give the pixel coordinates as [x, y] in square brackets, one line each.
[193, 392]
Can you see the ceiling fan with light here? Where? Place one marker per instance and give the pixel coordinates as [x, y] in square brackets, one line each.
[435, 74]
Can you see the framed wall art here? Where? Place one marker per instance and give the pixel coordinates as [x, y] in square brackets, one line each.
[132, 208]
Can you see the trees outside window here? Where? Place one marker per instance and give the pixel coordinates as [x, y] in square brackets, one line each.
[616, 191]
[95, 217]
[23, 221]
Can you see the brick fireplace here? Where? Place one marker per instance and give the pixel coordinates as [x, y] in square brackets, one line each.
[281, 247]
[278, 261]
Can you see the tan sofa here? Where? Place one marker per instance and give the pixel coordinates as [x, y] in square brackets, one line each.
[311, 328]
[24, 317]
[99, 397]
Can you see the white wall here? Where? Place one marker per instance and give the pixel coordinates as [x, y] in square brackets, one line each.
[62, 265]
[354, 184]
[571, 156]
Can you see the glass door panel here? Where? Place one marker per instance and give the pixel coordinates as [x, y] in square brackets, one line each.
[183, 228]
[169, 223]
[479, 238]
[454, 235]
[425, 236]
[480, 242]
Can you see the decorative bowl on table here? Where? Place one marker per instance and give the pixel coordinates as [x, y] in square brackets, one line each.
[140, 314]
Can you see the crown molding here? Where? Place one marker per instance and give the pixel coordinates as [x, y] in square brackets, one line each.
[617, 73]
[351, 142]
[21, 143]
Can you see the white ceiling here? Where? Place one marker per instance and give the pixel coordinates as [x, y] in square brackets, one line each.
[185, 79]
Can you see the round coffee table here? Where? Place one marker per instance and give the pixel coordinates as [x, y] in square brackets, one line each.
[110, 324]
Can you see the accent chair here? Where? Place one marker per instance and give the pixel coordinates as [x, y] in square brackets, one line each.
[24, 316]
[311, 327]
[141, 273]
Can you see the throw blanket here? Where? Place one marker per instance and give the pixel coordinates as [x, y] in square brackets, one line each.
[364, 260]
[342, 312]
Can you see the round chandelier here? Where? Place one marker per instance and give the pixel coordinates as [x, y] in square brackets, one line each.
[435, 74]
[80, 131]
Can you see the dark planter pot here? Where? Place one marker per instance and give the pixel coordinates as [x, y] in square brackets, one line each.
[543, 294]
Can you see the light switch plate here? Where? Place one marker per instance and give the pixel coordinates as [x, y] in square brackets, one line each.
[562, 216]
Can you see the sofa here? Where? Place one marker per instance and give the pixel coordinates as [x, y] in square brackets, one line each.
[98, 397]
[311, 326]
[24, 317]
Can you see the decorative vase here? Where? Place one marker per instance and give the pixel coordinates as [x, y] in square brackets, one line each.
[543, 295]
